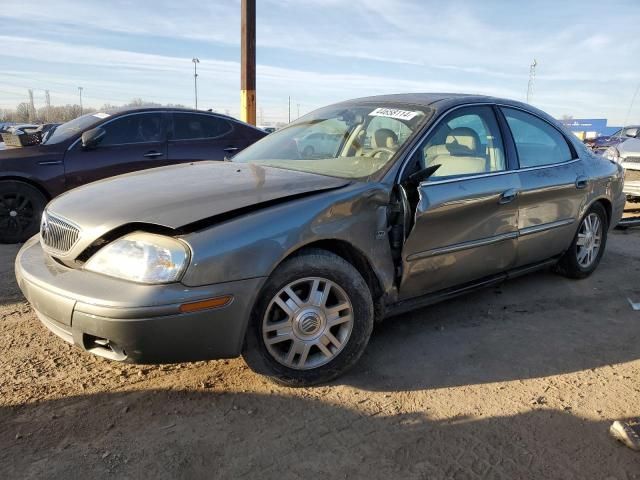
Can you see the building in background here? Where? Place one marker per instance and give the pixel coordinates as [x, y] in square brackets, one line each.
[586, 128]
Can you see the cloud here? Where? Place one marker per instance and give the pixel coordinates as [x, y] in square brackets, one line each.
[322, 50]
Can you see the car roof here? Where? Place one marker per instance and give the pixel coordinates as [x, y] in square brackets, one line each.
[122, 110]
[436, 99]
[440, 102]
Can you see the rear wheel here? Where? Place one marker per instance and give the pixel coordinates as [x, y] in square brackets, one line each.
[21, 207]
[311, 322]
[585, 252]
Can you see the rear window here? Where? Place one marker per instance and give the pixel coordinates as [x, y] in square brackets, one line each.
[537, 142]
[187, 126]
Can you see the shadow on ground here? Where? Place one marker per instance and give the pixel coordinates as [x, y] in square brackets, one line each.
[533, 326]
[177, 434]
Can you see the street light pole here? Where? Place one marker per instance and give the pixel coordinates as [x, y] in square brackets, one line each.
[195, 61]
[80, 90]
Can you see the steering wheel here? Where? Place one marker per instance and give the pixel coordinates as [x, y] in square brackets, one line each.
[377, 151]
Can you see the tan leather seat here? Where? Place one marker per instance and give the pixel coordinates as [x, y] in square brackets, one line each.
[460, 155]
[384, 138]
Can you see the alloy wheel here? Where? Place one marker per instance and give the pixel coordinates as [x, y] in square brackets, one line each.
[16, 213]
[307, 323]
[589, 240]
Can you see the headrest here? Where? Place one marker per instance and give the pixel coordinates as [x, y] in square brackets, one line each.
[385, 138]
[463, 141]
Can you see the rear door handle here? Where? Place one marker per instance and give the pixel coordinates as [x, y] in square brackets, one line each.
[508, 196]
[582, 182]
[153, 154]
[231, 149]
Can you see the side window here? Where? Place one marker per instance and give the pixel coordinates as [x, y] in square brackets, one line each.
[537, 142]
[466, 142]
[137, 128]
[190, 126]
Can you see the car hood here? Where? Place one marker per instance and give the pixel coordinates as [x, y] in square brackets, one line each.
[179, 195]
[31, 151]
[630, 147]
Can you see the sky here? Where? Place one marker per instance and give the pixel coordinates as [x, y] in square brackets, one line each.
[322, 51]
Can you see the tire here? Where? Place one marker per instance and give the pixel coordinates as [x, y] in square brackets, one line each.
[21, 207]
[570, 264]
[311, 276]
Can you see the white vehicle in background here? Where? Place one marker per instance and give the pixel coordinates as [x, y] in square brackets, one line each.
[627, 154]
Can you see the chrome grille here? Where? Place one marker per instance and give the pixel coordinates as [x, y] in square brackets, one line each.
[57, 234]
[631, 175]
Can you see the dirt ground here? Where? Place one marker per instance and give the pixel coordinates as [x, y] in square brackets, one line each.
[519, 381]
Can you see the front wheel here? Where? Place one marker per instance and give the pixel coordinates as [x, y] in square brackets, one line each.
[21, 207]
[585, 252]
[311, 322]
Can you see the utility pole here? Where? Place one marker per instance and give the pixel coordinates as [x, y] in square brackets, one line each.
[532, 78]
[248, 61]
[47, 101]
[289, 109]
[80, 90]
[32, 108]
[195, 61]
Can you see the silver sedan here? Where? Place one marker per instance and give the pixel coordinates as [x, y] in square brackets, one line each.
[290, 260]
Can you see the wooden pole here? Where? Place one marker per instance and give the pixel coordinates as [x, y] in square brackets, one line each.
[248, 61]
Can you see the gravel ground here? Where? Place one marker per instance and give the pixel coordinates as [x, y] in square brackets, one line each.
[519, 381]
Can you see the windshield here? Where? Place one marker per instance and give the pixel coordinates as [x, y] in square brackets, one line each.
[67, 130]
[352, 141]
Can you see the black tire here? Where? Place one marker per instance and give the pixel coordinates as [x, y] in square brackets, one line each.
[21, 207]
[568, 264]
[321, 264]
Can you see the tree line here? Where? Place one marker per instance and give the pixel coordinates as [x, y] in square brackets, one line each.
[25, 113]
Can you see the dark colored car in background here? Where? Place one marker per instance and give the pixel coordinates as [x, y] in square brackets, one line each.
[100, 145]
[600, 144]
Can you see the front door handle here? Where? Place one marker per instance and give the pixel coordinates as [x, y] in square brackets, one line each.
[508, 196]
[582, 182]
[153, 154]
[231, 149]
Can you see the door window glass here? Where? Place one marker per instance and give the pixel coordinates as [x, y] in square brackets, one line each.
[467, 142]
[189, 126]
[537, 142]
[138, 128]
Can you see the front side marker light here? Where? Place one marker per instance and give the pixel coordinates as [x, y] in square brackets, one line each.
[217, 302]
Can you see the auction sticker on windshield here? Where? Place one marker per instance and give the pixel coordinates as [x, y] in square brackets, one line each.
[393, 113]
[101, 115]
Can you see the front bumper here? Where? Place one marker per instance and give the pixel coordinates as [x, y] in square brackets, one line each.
[131, 322]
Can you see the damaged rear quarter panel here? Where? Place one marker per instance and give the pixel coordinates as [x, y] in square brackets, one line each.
[254, 244]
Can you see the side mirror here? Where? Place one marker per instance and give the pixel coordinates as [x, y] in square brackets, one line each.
[632, 132]
[91, 138]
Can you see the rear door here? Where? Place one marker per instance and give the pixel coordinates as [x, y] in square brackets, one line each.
[202, 136]
[553, 185]
[466, 215]
[132, 142]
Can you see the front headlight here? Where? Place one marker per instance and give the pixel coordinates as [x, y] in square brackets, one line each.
[612, 154]
[141, 257]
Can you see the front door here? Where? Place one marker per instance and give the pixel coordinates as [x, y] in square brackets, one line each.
[552, 187]
[132, 142]
[466, 215]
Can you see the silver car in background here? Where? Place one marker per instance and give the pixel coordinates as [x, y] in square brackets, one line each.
[627, 154]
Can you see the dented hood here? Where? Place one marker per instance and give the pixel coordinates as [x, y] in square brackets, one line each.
[179, 195]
